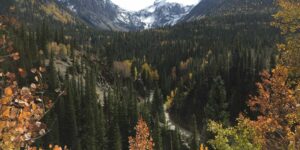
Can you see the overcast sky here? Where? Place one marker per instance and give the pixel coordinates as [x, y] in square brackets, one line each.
[135, 5]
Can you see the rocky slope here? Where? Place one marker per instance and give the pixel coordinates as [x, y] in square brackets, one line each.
[229, 7]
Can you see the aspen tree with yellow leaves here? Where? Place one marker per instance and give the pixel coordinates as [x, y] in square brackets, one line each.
[288, 21]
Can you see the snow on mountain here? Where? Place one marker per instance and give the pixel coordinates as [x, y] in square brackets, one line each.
[162, 13]
[68, 4]
[148, 21]
[107, 15]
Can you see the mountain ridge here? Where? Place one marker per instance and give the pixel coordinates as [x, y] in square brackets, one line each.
[229, 7]
[106, 15]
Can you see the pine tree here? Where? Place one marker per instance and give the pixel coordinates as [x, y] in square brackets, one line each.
[53, 78]
[44, 37]
[77, 101]
[100, 129]
[195, 138]
[216, 107]
[157, 134]
[61, 113]
[88, 140]
[177, 140]
[51, 119]
[132, 108]
[123, 120]
[157, 107]
[117, 138]
[71, 130]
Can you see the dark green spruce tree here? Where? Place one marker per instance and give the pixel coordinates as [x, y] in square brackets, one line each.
[217, 105]
[117, 138]
[71, 128]
[157, 107]
[195, 138]
[88, 139]
[157, 134]
[101, 130]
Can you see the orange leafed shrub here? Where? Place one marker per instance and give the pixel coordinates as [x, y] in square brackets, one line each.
[142, 139]
[276, 104]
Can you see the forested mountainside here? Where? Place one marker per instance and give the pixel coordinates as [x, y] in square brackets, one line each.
[230, 7]
[220, 82]
[189, 57]
[99, 14]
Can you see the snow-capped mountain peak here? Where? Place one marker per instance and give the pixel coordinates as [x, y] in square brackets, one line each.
[107, 15]
[162, 13]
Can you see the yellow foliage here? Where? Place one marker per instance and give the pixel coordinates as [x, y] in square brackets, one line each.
[123, 67]
[59, 49]
[170, 98]
[52, 9]
[190, 76]
[146, 67]
[288, 20]
[150, 72]
[202, 147]
[184, 64]
[206, 59]
[135, 73]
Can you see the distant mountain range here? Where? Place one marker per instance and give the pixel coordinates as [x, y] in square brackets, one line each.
[162, 13]
[106, 15]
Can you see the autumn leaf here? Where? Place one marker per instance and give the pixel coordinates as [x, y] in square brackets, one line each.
[8, 91]
[15, 56]
[5, 100]
[22, 72]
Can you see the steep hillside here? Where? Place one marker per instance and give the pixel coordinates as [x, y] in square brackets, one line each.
[229, 7]
[98, 13]
[174, 76]
[33, 13]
